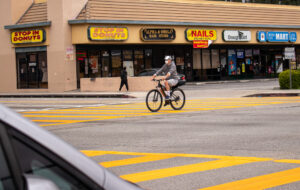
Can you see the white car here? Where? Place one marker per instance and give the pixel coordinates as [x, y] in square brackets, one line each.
[32, 158]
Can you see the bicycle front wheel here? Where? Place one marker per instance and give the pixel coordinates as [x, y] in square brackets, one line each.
[177, 99]
[154, 100]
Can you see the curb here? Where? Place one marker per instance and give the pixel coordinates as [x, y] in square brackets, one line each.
[230, 81]
[274, 95]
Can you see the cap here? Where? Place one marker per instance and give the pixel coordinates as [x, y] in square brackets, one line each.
[167, 57]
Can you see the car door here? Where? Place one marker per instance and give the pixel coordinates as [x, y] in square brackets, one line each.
[33, 159]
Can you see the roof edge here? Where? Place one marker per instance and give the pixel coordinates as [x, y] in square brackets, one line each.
[29, 25]
[132, 22]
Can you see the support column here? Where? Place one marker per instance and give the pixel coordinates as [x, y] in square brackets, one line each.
[61, 54]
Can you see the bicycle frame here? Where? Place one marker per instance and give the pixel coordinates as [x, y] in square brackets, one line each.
[159, 87]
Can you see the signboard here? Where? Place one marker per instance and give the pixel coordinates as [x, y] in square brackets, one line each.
[150, 34]
[200, 44]
[106, 33]
[200, 34]
[237, 35]
[261, 36]
[289, 53]
[293, 36]
[28, 36]
[277, 36]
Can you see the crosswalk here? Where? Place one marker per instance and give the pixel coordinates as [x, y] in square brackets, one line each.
[260, 182]
[146, 168]
[81, 114]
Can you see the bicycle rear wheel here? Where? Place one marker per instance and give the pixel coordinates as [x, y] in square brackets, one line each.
[154, 100]
[177, 99]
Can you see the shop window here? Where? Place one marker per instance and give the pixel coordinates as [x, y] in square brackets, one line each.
[206, 66]
[179, 60]
[105, 63]
[93, 65]
[116, 63]
[206, 59]
[148, 58]
[32, 70]
[128, 62]
[138, 61]
[224, 66]
[197, 64]
[231, 62]
[240, 54]
[215, 62]
[298, 58]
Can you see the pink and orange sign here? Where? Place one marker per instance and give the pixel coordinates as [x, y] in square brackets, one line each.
[200, 44]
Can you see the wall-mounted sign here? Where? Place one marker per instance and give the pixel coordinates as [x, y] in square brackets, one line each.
[105, 33]
[150, 34]
[200, 44]
[293, 36]
[237, 35]
[28, 36]
[261, 36]
[272, 36]
[200, 34]
[277, 36]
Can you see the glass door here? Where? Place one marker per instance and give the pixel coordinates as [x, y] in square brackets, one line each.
[32, 70]
[22, 71]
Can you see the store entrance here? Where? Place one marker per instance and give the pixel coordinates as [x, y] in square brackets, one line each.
[32, 70]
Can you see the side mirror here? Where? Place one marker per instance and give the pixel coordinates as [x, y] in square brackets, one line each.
[37, 183]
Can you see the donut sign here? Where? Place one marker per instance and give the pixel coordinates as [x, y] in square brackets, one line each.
[28, 36]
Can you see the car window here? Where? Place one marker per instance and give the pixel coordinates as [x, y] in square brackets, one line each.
[6, 181]
[35, 163]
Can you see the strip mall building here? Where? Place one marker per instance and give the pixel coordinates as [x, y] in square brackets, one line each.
[59, 46]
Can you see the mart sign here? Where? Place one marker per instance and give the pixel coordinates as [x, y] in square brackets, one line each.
[200, 34]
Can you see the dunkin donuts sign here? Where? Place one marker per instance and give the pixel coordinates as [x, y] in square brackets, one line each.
[28, 36]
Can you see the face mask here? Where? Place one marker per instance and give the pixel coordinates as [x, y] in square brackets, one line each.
[166, 61]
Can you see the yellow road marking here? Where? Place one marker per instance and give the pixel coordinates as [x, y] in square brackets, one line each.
[99, 152]
[130, 161]
[71, 116]
[255, 183]
[288, 161]
[261, 182]
[139, 109]
[180, 170]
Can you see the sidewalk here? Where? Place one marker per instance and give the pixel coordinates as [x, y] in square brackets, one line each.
[268, 91]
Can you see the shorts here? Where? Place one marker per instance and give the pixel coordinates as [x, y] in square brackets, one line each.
[172, 82]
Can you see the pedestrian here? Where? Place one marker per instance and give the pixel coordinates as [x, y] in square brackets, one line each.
[124, 79]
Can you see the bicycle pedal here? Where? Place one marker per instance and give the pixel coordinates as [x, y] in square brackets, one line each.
[167, 102]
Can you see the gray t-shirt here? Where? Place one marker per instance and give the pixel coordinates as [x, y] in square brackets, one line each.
[169, 69]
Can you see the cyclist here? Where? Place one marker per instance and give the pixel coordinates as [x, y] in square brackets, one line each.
[171, 78]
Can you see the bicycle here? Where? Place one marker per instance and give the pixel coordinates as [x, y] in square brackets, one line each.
[154, 98]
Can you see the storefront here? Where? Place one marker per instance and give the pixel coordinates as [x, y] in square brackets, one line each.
[233, 54]
[31, 60]
[89, 52]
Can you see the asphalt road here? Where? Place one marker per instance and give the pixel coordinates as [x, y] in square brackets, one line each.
[220, 140]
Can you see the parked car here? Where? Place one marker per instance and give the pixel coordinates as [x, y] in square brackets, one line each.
[33, 159]
[150, 72]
